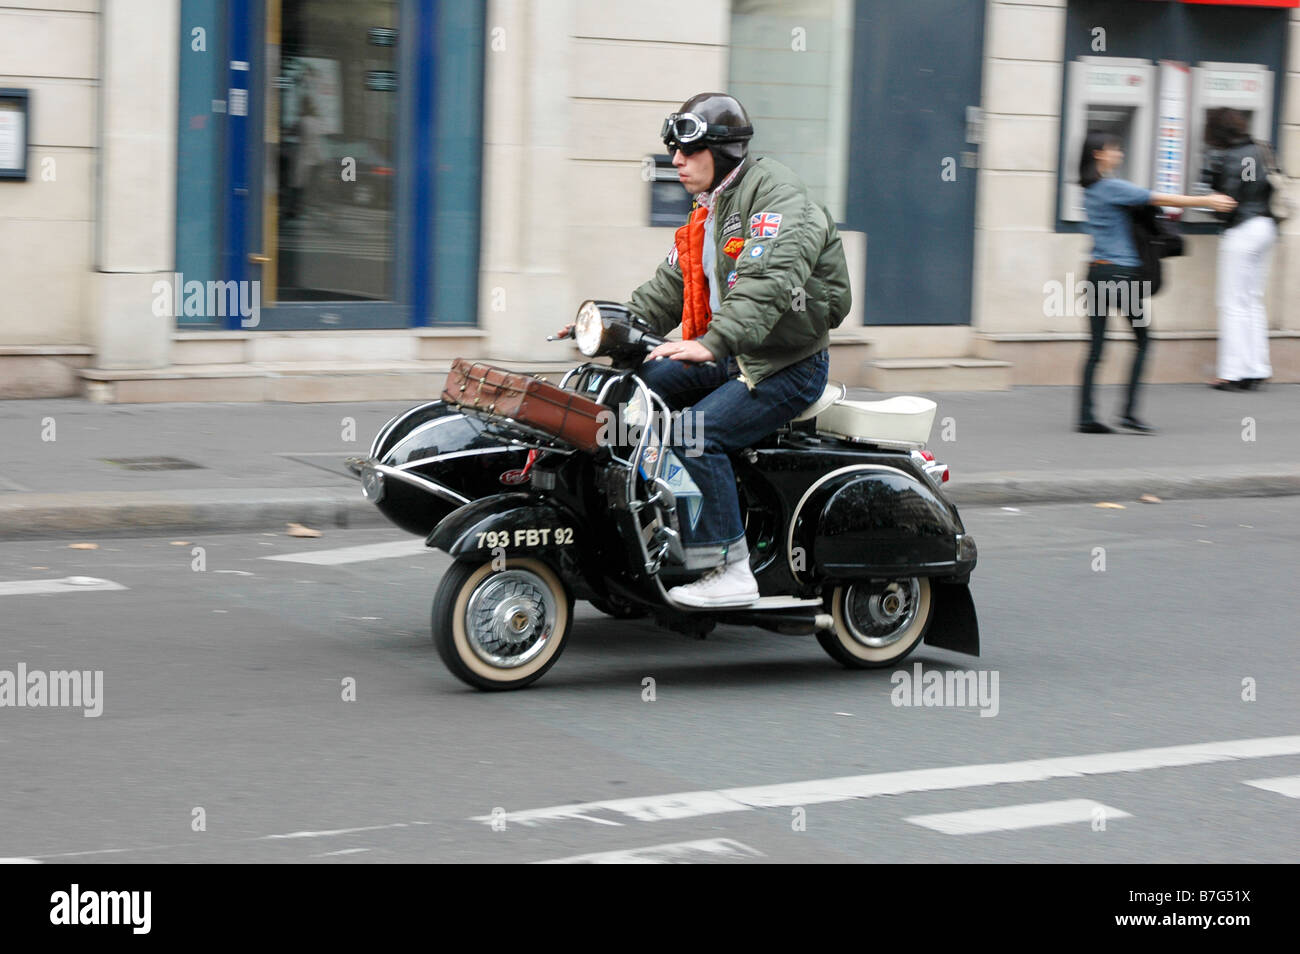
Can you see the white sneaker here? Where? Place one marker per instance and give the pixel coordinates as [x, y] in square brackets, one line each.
[729, 585]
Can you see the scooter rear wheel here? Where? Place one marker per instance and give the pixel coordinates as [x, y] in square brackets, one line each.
[501, 629]
[878, 622]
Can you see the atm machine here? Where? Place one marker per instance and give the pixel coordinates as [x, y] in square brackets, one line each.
[1244, 86]
[1114, 94]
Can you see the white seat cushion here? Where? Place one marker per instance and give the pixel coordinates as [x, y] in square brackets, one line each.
[833, 392]
[899, 419]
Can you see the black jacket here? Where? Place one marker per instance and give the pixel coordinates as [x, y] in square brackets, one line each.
[1222, 171]
[1155, 238]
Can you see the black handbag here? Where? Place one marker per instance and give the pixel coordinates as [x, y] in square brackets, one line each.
[1156, 236]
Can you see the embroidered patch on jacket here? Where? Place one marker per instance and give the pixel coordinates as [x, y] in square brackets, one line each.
[732, 224]
[733, 246]
[672, 255]
[756, 251]
[731, 280]
[765, 224]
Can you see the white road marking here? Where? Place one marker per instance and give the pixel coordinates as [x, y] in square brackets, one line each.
[19, 861]
[1288, 785]
[817, 791]
[68, 584]
[1013, 817]
[681, 852]
[340, 831]
[370, 551]
[341, 851]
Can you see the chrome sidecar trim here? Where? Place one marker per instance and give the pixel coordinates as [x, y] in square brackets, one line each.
[432, 486]
[412, 465]
[426, 426]
[392, 425]
[794, 517]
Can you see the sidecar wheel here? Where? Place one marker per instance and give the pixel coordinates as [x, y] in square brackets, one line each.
[501, 629]
[877, 622]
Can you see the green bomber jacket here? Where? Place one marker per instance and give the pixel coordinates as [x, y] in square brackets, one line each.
[783, 285]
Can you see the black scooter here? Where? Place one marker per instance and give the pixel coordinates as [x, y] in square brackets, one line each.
[850, 535]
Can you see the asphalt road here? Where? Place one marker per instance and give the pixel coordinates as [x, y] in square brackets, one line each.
[223, 691]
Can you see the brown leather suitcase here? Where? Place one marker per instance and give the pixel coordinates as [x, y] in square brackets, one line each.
[532, 401]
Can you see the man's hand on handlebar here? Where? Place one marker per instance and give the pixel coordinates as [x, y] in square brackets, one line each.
[681, 351]
[565, 332]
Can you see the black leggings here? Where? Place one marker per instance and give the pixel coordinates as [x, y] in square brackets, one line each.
[1121, 288]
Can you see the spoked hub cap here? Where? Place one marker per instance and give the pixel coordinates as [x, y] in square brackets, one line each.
[879, 612]
[509, 618]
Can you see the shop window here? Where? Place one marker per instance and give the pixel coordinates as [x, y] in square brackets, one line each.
[790, 67]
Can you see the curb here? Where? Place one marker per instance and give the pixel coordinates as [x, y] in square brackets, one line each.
[27, 516]
[41, 515]
[1092, 487]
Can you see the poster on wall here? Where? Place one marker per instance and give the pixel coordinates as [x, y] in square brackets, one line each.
[315, 91]
[13, 133]
[1170, 167]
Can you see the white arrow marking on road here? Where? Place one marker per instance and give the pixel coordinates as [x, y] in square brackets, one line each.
[979, 821]
[1288, 785]
[817, 791]
[68, 584]
[680, 852]
[370, 551]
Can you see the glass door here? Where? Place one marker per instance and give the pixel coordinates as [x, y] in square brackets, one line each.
[331, 158]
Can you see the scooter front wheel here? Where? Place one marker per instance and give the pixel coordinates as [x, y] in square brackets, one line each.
[501, 628]
[877, 622]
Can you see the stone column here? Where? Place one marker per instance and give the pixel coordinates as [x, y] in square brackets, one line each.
[525, 279]
[1284, 306]
[135, 233]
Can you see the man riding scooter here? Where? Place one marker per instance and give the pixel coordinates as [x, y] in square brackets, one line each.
[756, 279]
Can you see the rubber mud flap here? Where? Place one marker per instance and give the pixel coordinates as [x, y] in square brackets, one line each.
[955, 625]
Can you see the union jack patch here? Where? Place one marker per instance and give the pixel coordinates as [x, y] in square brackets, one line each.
[765, 224]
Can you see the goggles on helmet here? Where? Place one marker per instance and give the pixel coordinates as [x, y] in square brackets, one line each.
[686, 130]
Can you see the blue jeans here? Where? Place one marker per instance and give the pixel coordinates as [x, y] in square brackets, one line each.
[720, 414]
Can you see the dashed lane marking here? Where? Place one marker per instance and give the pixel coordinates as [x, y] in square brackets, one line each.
[68, 584]
[681, 805]
[675, 853]
[1288, 785]
[980, 821]
[369, 551]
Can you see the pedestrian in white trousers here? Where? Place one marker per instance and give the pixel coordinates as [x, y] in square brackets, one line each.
[1236, 165]
[1245, 252]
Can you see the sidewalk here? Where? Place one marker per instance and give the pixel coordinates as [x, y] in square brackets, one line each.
[259, 466]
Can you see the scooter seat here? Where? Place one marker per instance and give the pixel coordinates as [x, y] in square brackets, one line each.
[896, 420]
[834, 392]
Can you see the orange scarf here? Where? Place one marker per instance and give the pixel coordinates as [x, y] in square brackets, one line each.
[696, 313]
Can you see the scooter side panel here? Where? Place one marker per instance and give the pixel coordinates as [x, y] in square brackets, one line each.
[878, 522]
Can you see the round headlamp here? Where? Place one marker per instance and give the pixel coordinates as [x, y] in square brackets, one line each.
[588, 329]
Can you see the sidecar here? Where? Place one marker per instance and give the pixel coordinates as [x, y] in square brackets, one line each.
[431, 459]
